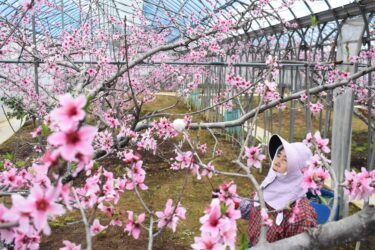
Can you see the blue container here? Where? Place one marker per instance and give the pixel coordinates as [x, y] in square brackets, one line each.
[194, 100]
[231, 115]
[322, 209]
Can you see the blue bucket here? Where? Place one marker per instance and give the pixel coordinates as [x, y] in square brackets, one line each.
[322, 209]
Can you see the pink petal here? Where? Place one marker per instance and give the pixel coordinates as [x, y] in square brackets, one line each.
[24, 225]
[56, 209]
[136, 232]
[68, 152]
[18, 201]
[130, 215]
[159, 214]
[80, 101]
[36, 193]
[85, 149]
[66, 99]
[57, 138]
[39, 220]
[87, 133]
[46, 229]
[168, 207]
[141, 218]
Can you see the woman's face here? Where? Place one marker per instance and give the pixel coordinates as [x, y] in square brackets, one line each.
[280, 162]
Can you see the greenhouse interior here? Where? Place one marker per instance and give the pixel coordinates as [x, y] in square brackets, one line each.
[187, 124]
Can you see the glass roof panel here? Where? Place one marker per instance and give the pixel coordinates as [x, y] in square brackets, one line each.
[300, 10]
[286, 15]
[181, 10]
[338, 3]
[318, 6]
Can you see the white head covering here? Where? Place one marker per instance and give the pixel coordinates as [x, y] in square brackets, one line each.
[281, 189]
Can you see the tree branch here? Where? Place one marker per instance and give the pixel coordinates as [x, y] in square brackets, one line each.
[247, 116]
[349, 229]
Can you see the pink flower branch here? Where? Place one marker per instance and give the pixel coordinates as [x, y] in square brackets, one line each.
[258, 189]
[335, 185]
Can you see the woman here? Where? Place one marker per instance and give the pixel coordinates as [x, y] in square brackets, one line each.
[285, 198]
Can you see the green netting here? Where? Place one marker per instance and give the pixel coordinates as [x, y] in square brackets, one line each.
[195, 100]
[231, 115]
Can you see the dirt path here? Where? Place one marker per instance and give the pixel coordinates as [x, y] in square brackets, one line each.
[6, 129]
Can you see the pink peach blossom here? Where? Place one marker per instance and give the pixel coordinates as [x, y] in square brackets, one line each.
[71, 111]
[133, 224]
[254, 156]
[170, 217]
[42, 204]
[96, 227]
[72, 142]
[70, 246]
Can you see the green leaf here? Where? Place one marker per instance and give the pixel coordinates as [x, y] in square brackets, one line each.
[223, 208]
[15, 105]
[88, 103]
[95, 166]
[314, 21]
[9, 156]
[101, 234]
[324, 200]
[244, 243]
[20, 163]
[45, 130]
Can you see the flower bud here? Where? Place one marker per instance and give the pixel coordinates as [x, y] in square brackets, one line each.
[179, 125]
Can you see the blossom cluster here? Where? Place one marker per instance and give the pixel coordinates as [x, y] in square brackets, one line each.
[315, 107]
[269, 90]
[272, 63]
[164, 129]
[186, 160]
[219, 228]
[147, 142]
[227, 193]
[221, 97]
[137, 176]
[359, 185]
[103, 140]
[254, 156]
[73, 141]
[315, 173]
[171, 216]
[70, 142]
[316, 139]
[30, 209]
[110, 118]
[238, 82]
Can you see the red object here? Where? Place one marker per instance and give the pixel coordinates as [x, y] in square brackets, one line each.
[305, 219]
[236, 204]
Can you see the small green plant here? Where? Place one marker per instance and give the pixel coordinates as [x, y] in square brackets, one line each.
[359, 148]
[314, 21]
[45, 130]
[9, 156]
[244, 242]
[20, 163]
